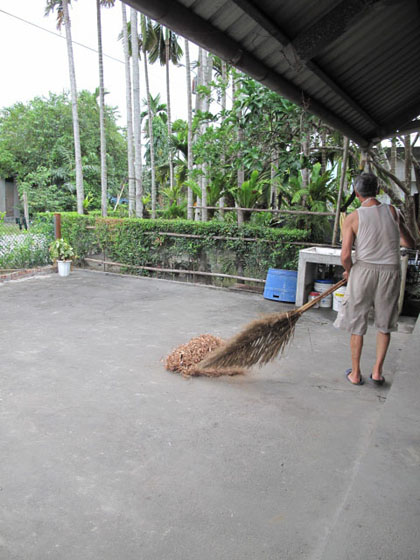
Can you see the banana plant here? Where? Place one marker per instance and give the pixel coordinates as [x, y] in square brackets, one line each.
[319, 192]
[247, 195]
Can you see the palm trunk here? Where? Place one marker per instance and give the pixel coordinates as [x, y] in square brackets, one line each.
[207, 73]
[104, 178]
[241, 171]
[151, 137]
[136, 114]
[76, 131]
[223, 155]
[168, 103]
[190, 214]
[130, 141]
[198, 107]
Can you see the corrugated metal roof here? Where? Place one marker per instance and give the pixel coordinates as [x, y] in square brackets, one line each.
[355, 62]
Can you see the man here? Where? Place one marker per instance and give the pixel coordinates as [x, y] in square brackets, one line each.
[374, 278]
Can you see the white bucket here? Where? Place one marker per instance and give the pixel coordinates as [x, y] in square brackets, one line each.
[63, 268]
[322, 286]
[338, 297]
[312, 296]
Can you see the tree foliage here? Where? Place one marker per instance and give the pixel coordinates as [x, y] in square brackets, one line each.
[36, 147]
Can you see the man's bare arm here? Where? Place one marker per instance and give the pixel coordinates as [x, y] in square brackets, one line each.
[406, 239]
[347, 244]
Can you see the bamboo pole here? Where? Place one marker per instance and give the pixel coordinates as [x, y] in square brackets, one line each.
[223, 238]
[176, 270]
[273, 211]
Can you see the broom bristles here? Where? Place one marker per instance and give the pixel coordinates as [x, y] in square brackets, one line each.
[259, 342]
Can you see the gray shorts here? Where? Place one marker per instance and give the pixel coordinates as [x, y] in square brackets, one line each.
[370, 285]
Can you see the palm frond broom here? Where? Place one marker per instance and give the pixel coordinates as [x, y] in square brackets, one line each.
[262, 339]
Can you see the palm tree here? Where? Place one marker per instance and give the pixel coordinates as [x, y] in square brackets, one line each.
[190, 132]
[136, 113]
[130, 139]
[155, 129]
[199, 108]
[240, 138]
[222, 71]
[166, 49]
[62, 7]
[148, 39]
[104, 174]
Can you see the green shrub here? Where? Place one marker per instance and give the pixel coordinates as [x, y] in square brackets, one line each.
[23, 250]
[246, 250]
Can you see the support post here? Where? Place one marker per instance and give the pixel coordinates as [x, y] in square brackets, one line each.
[57, 226]
[26, 209]
[340, 191]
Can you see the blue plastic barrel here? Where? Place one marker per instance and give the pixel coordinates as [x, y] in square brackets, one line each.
[280, 285]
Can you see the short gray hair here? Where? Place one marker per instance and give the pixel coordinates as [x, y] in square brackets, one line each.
[366, 184]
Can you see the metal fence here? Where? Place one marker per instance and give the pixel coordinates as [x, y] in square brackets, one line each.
[22, 247]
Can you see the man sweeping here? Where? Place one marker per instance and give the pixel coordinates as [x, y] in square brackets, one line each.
[374, 278]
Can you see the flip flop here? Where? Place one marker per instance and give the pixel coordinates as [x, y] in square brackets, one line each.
[348, 372]
[378, 381]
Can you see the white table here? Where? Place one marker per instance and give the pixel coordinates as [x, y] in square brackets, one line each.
[309, 259]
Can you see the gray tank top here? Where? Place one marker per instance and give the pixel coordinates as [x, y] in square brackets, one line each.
[378, 236]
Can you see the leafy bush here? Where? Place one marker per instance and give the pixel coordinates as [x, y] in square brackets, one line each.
[23, 250]
[246, 250]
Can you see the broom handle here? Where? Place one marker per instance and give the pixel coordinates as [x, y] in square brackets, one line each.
[322, 296]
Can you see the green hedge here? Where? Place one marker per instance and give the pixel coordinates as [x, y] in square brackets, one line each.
[134, 241]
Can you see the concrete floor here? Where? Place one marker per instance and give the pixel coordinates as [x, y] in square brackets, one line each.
[105, 455]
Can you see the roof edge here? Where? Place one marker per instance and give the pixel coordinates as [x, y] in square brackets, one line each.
[181, 20]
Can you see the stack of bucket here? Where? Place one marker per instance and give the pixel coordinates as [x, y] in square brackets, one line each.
[321, 286]
[280, 285]
[333, 300]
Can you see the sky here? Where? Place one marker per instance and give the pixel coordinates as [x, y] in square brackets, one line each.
[34, 61]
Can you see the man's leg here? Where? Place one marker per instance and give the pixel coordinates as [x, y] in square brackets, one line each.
[356, 345]
[382, 344]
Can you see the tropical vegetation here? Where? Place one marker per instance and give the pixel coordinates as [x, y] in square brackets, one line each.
[244, 154]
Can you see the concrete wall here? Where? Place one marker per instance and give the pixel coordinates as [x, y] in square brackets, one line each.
[9, 199]
[2, 195]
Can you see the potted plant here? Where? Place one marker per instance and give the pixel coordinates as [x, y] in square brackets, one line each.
[62, 252]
